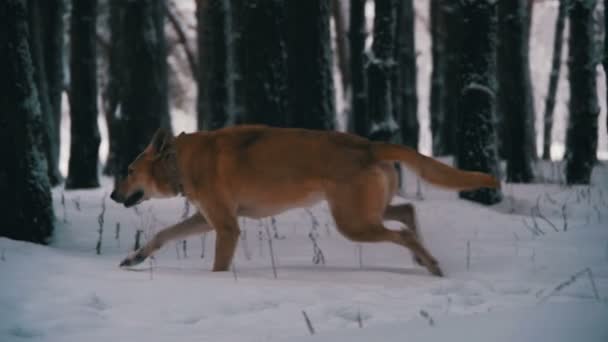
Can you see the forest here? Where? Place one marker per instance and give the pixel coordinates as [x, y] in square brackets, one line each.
[513, 88]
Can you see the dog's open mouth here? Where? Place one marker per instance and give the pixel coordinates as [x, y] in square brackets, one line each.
[134, 199]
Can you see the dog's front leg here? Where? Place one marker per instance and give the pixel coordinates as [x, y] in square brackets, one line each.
[227, 235]
[195, 224]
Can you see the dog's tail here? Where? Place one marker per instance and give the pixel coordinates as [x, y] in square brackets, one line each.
[432, 171]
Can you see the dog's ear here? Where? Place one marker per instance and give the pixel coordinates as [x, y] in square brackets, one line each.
[161, 141]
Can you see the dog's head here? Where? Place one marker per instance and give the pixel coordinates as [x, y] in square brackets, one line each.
[148, 175]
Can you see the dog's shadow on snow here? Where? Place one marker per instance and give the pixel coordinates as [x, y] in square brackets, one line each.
[287, 271]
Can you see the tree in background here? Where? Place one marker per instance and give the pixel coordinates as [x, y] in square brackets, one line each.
[85, 138]
[477, 150]
[581, 137]
[112, 90]
[556, 64]
[605, 58]
[310, 85]
[215, 102]
[359, 120]
[437, 93]
[341, 21]
[44, 54]
[379, 70]
[265, 69]
[405, 98]
[515, 91]
[26, 207]
[451, 18]
[144, 105]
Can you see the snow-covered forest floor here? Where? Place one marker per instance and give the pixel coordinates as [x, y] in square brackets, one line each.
[508, 273]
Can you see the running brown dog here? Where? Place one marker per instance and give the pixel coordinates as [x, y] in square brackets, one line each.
[258, 171]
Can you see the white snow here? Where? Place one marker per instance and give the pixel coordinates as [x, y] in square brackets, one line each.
[492, 290]
[65, 292]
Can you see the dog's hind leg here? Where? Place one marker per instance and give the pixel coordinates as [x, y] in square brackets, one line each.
[406, 214]
[195, 224]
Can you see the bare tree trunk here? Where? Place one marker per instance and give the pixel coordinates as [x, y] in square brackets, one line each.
[37, 36]
[26, 208]
[265, 73]
[605, 58]
[85, 138]
[437, 99]
[112, 90]
[405, 98]
[581, 137]
[556, 64]
[216, 82]
[341, 24]
[309, 65]
[53, 42]
[359, 120]
[380, 69]
[476, 136]
[514, 99]
[144, 105]
[452, 18]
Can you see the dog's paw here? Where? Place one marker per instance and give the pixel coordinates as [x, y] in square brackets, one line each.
[133, 259]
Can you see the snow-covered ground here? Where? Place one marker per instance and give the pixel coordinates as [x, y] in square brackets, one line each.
[502, 280]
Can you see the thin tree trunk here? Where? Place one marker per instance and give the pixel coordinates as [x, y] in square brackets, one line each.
[581, 137]
[404, 92]
[53, 42]
[144, 105]
[341, 25]
[26, 208]
[216, 81]
[85, 138]
[380, 69]
[437, 99]
[309, 65]
[112, 90]
[605, 58]
[452, 18]
[514, 91]
[359, 120]
[37, 31]
[265, 74]
[476, 136]
[556, 64]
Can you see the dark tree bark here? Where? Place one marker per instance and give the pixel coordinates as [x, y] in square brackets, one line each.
[452, 19]
[405, 98]
[437, 99]
[85, 138]
[513, 56]
[380, 69]
[309, 65]
[143, 97]
[215, 84]
[556, 64]
[38, 33]
[112, 90]
[341, 24]
[581, 137]
[26, 207]
[514, 89]
[359, 120]
[238, 12]
[54, 32]
[265, 73]
[605, 58]
[476, 149]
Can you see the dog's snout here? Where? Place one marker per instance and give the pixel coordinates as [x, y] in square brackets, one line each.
[114, 196]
